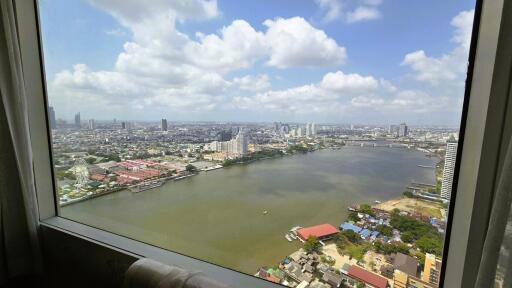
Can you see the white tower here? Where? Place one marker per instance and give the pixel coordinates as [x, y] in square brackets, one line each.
[449, 167]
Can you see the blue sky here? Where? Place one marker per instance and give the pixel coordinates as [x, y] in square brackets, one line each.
[345, 61]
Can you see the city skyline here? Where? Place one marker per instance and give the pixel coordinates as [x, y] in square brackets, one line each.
[168, 121]
[212, 61]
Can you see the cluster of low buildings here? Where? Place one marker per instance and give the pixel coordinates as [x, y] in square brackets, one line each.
[324, 269]
[315, 270]
[366, 224]
[302, 269]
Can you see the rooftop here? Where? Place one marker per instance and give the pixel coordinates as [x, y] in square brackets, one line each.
[406, 263]
[319, 231]
[350, 226]
[367, 277]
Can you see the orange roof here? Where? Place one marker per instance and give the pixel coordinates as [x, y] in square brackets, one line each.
[319, 231]
[274, 279]
[368, 277]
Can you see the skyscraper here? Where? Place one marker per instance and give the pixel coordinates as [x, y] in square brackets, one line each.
[123, 125]
[300, 131]
[92, 125]
[78, 124]
[285, 129]
[392, 130]
[53, 121]
[241, 145]
[164, 125]
[403, 130]
[237, 146]
[449, 166]
[277, 127]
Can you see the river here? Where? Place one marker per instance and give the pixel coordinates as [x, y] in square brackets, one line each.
[218, 215]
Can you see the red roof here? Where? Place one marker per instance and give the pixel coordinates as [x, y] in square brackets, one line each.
[367, 277]
[319, 231]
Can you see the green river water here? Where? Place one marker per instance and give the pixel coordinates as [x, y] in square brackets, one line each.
[218, 215]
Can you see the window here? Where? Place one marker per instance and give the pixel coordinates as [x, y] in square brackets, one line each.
[273, 139]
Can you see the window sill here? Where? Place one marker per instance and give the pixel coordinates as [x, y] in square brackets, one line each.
[139, 250]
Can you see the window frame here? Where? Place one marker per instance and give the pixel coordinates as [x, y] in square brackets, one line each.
[481, 137]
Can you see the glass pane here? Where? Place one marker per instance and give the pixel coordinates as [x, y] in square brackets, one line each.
[304, 142]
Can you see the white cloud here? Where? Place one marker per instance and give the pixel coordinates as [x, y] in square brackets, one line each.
[463, 24]
[341, 94]
[238, 46]
[156, 21]
[332, 9]
[294, 42]
[448, 67]
[252, 83]
[341, 82]
[329, 95]
[363, 13]
[350, 11]
[163, 68]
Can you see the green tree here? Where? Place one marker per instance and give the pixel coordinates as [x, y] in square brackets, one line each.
[390, 248]
[432, 245]
[191, 168]
[416, 228]
[115, 158]
[366, 209]
[408, 194]
[360, 285]
[90, 160]
[312, 244]
[421, 259]
[384, 230]
[407, 237]
[351, 236]
[352, 216]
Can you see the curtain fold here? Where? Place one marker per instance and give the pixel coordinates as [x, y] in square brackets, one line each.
[495, 244]
[19, 223]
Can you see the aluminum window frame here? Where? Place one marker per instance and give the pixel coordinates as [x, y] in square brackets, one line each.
[475, 173]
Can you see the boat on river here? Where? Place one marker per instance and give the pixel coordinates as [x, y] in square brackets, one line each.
[146, 186]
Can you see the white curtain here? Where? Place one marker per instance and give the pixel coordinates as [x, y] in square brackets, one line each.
[19, 223]
[495, 268]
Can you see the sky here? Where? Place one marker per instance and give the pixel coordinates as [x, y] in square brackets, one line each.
[324, 61]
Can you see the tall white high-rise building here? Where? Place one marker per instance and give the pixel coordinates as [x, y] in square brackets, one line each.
[238, 145]
[449, 167]
[310, 130]
[92, 125]
[300, 131]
